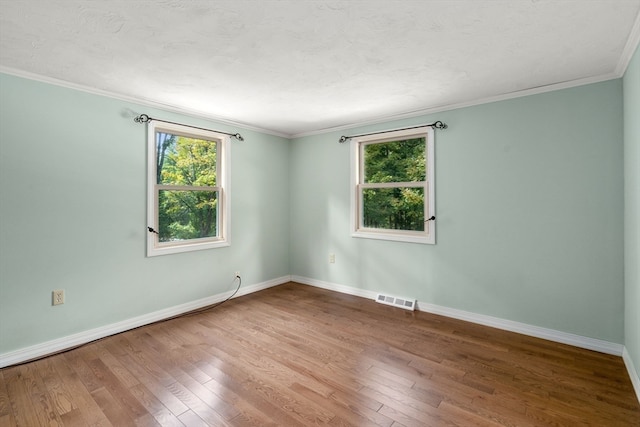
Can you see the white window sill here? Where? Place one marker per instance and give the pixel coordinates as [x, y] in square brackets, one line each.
[189, 247]
[395, 236]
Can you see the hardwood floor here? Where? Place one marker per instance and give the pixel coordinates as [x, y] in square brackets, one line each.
[295, 355]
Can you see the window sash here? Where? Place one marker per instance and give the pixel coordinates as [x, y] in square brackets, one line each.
[424, 185]
[362, 167]
[198, 240]
[222, 217]
[412, 184]
[186, 187]
[358, 186]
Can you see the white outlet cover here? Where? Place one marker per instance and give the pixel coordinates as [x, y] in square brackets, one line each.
[57, 297]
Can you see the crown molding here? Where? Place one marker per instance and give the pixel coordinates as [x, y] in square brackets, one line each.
[139, 101]
[628, 52]
[487, 100]
[625, 58]
[629, 48]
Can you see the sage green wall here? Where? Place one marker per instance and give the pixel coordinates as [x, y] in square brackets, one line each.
[631, 85]
[529, 206]
[73, 215]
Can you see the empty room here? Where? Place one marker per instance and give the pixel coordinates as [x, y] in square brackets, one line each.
[329, 212]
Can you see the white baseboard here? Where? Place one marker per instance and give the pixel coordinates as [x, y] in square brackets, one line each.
[633, 373]
[508, 325]
[60, 344]
[53, 346]
[335, 287]
[526, 329]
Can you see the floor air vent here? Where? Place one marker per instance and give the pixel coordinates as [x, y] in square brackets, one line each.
[407, 304]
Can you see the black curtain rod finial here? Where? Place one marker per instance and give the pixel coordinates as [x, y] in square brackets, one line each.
[440, 125]
[142, 118]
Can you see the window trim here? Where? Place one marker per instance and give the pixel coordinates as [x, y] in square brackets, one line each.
[154, 246]
[428, 236]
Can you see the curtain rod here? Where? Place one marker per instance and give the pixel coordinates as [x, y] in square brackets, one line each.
[144, 118]
[435, 125]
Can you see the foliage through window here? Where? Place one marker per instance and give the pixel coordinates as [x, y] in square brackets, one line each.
[393, 190]
[188, 172]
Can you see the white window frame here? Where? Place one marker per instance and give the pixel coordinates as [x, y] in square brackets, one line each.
[428, 236]
[154, 246]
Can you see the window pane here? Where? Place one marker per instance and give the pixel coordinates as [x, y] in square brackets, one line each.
[395, 161]
[393, 208]
[184, 215]
[185, 161]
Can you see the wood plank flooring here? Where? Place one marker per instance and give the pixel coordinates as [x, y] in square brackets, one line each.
[295, 355]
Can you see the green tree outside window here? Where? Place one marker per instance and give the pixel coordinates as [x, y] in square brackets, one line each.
[188, 197]
[401, 206]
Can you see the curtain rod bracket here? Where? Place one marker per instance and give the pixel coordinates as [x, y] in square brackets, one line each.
[144, 118]
[435, 125]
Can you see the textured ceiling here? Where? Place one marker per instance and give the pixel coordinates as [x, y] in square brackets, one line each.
[295, 67]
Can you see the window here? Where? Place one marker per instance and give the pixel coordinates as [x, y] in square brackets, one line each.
[187, 191]
[393, 186]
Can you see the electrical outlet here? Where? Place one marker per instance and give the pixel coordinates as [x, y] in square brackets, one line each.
[57, 297]
[237, 274]
[332, 258]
